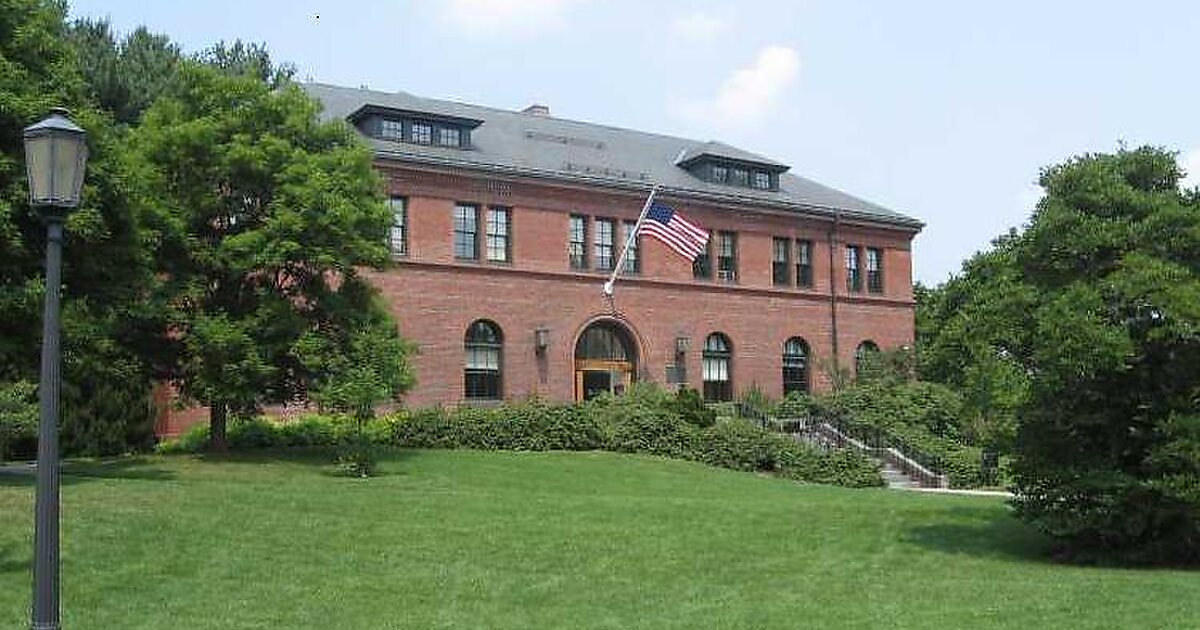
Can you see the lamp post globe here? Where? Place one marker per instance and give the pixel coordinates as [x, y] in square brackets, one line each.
[55, 158]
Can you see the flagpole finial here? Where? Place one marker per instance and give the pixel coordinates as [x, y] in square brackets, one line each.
[608, 288]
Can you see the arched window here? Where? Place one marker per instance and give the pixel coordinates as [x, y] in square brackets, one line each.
[795, 366]
[861, 353]
[718, 384]
[481, 374]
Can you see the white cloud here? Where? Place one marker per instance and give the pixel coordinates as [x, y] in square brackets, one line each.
[1191, 165]
[516, 17]
[749, 95]
[698, 26]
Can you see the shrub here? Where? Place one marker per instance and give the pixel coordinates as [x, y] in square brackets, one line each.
[18, 418]
[311, 430]
[689, 404]
[647, 420]
[358, 456]
[740, 445]
[755, 402]
[252, 433]
[103, 415]
[194, 439]
[797, 405]
[642, 424]
[924, 420]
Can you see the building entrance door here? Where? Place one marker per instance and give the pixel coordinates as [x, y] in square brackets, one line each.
[605, 361]
[591, 381]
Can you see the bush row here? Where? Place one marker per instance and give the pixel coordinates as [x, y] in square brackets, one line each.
[645, 421]
[920, 419]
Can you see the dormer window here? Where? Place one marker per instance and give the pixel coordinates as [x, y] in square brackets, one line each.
[391, 129]
[722, 164]
[741, 177]
[399, 125]
[449, 136]
[422, 133]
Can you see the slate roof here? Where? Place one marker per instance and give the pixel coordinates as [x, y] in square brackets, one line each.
[529, 144]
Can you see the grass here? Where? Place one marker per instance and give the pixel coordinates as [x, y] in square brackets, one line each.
[546, 540]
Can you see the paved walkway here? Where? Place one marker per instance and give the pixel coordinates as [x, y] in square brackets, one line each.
[971, 493]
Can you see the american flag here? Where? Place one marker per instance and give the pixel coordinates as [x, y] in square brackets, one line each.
[670, 227]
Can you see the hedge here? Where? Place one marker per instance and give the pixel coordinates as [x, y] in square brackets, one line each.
[644, 421]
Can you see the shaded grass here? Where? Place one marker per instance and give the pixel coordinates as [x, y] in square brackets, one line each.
[547, 540]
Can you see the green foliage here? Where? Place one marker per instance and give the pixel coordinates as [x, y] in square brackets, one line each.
[531, 425]
[112, 327]
[247, 59]
[358, 456]
[18, 417]
[926, 421]
[643, 421]
[796, 405]
[1085, 327]
[689, 404]
[356, 370]
[267, 215]
[126, 75]
[754, 401]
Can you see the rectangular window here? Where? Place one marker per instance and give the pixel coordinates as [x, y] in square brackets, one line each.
[702, 266]
[466, 231]
[762, 180]
[741, 177]
[720, 174]
[715, 372]
[391, 129]
[398, 238]
[874, 270]
[727, 256]
[448, 137]
[422, 132]
[577, 244]
[633, 261]
[804, 267]
[499, 231]
[481, 376]
[605, 229]
[781, 261]
[853, 270]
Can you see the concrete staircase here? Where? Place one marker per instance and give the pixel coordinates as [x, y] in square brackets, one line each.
[896, 478]
[898, 469]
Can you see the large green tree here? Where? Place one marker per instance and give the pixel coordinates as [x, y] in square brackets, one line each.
[107, 271]
[269, 213]
[1090, 318]
[124, 75]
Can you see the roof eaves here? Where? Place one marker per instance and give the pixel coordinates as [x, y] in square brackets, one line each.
[808, 208]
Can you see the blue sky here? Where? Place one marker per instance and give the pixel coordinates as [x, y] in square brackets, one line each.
[943, 110]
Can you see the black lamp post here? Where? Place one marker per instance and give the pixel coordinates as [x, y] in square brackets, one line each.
[55, 156]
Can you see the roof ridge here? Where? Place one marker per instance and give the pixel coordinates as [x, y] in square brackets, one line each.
[514, 112]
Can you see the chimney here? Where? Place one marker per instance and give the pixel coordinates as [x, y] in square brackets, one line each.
[537, 110]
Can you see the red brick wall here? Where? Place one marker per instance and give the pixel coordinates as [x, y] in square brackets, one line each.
[435, 297]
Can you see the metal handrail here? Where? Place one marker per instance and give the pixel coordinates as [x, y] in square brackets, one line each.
[876, 445]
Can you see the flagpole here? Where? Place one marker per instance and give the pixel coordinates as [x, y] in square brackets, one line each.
[629, 239]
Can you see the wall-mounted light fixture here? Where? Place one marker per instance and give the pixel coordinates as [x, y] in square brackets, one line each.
[541, 339]
[682, 344]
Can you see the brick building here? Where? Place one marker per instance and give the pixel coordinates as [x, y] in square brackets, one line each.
[508, 223]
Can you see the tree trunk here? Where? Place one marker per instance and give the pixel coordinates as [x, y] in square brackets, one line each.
[217, 413]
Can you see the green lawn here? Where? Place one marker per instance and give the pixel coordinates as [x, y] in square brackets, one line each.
[547, 540]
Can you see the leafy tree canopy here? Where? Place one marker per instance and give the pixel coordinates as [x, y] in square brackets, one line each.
[266, 213]
[1086, 327]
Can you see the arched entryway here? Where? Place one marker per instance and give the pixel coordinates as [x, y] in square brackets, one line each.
[605, 360]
